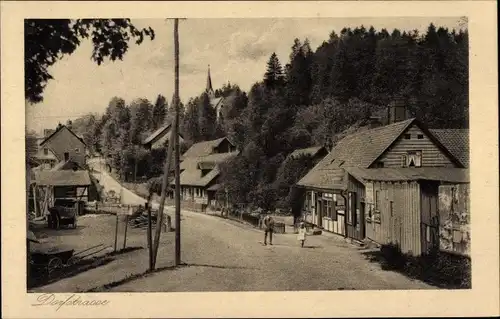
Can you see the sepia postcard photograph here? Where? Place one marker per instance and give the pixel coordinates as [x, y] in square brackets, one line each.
[249, 159]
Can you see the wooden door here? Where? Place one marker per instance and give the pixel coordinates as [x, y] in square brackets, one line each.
[429, 231]
[362, 219]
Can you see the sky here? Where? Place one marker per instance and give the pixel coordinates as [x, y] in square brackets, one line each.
[236, 50]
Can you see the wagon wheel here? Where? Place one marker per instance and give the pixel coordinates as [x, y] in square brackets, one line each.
[72, 261]
[56, 221]
[54, 264]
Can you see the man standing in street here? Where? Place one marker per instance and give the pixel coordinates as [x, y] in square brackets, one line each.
[268, 222]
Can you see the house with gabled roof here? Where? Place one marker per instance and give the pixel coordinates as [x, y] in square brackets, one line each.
[159, 137]
[65, 145]
[382, 184]
[220, 145]
[200, 172]
[315, 152]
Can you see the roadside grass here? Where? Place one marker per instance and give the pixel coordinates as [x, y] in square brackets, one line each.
[37, 279]
[437, 268]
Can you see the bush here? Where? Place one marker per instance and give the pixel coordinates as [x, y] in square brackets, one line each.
[439, 268]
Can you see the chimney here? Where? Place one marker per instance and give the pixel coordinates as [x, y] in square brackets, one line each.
[397, 111]
[328, 144]
[374, 121]
[47, 132]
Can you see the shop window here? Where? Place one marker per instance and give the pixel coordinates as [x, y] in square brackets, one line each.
[329, 209]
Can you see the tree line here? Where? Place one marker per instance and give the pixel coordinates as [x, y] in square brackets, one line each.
[310, 101]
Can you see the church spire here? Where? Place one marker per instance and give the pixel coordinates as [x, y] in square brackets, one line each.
[209, 89]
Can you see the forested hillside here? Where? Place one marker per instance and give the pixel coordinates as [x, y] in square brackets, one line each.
[309, 101]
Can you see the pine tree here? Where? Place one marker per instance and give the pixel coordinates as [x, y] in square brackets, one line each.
[141, 119]
[298, 80]
[159, 111]
[274, 77]
[190, 124]
[207, 119]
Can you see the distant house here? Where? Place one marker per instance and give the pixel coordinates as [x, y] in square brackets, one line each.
[200, 171]
[158, 138]
[65, 145]
[383, 185]
[316, 153]
[221, 145]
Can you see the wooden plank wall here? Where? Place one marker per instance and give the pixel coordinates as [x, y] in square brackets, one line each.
[401, 224]
[432, 156]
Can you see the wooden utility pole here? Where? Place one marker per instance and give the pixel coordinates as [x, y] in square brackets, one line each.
[164, 185]
[149, 233]
[176, 138]
[172, 140]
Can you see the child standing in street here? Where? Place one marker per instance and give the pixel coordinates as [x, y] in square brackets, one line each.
[302, 234]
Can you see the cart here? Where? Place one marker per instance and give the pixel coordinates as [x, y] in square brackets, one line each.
[46, 263]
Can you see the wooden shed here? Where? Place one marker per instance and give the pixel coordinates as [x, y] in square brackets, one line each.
[47, 186]
[402, 205]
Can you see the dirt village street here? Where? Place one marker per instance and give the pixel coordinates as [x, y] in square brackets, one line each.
[221, 255]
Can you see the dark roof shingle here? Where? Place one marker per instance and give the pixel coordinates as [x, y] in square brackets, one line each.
[202, 148]
[156, 134]
[62, 178]
[192, 175]
[456, 141]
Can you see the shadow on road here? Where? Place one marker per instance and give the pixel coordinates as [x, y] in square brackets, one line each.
[218, 266]
[38, 276]
[312, 247]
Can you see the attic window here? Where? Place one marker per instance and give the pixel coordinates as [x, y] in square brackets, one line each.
[420, 136]
[407, 136]
[414, 159]
[45, 151]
